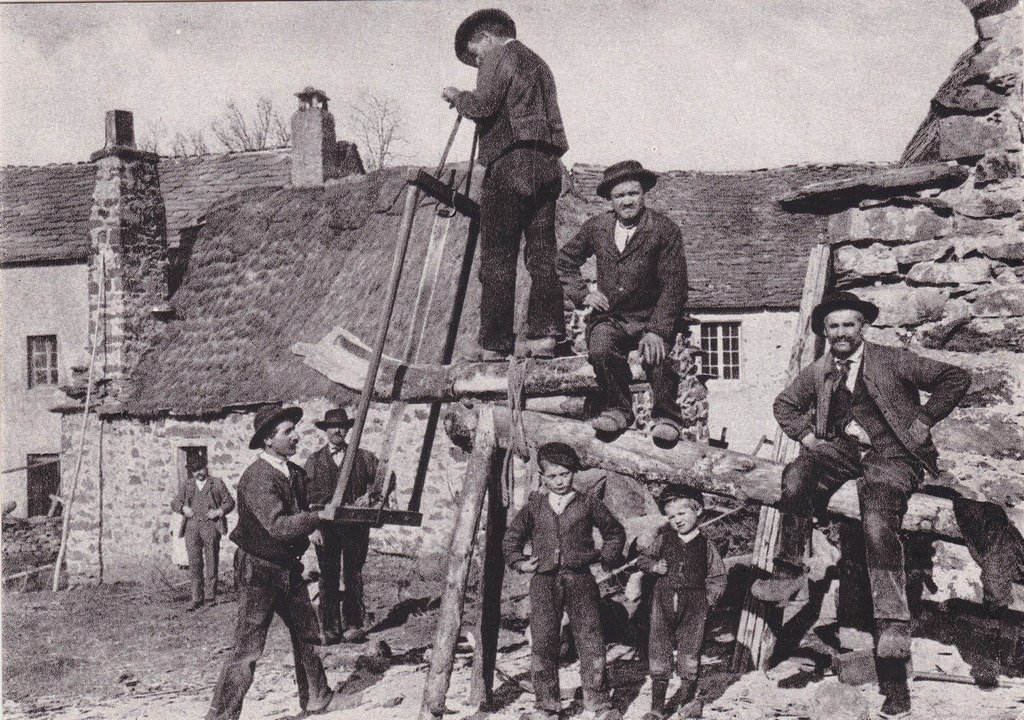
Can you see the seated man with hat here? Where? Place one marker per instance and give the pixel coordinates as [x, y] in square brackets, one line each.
[340, 543]
[522, 138]
[271, 535]
[638, 300]
[856, 413]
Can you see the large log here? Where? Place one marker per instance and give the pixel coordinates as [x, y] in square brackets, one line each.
[342, 357]
[712, 470]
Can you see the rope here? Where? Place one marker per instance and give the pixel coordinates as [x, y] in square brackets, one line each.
[517, 368]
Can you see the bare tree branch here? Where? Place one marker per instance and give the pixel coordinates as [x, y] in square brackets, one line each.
[379, 126]
[189, 145]
[261, 129]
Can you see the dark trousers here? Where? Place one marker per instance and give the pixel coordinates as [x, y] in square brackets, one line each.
[267, 589]
[518, 198]
[609, 343]
[345, 546]
[677, 623]
[550, 595]
[884, 484]
[203, 560]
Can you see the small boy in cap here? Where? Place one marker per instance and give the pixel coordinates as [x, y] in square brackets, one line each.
[559, 523]
[690, 579]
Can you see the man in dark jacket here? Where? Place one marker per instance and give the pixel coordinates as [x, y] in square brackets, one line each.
[340, 542]
[271, 536]
[638, 301]
[521, 140]
[559, 525]
[204, 502]
[856, 413]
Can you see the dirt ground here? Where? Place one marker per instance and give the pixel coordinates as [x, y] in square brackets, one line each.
[123, 652]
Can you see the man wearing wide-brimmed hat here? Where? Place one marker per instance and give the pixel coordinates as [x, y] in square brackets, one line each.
[522, 138]
[638, 300]
[342, 544]
[271, 535]
[856, 413]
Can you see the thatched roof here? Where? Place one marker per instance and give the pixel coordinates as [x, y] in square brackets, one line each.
[272, 267]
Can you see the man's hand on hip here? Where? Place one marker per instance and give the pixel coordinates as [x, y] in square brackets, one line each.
[652, 348]
[528, 565]
[597, 300]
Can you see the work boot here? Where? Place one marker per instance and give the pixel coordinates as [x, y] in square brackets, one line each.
[610, 422]
[196, 604]
[354, 635]
[665, 432]
[893, 639]
[897, 701]
[692, 709]
[545, 348]
[987, 668]
[781, 586]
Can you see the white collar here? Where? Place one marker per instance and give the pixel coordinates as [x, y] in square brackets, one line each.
[277, 463]
[558, 503]
[689, 537]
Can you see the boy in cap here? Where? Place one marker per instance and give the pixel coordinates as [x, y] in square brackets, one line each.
[638, 302]
[204, 502]
[558, 522]
[522, 137]
[690, 580]
[271, 535]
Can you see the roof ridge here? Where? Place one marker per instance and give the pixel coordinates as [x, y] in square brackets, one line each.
[47, 165]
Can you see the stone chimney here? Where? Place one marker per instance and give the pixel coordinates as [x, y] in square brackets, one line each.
[128, 261]
[314, 144]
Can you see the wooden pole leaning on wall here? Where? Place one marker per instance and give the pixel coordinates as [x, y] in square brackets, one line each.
[755, 640]
[479, 471]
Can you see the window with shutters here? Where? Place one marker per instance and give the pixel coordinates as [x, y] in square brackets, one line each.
[720, 350]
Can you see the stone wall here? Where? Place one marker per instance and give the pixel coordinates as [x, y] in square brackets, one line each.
[131, 469]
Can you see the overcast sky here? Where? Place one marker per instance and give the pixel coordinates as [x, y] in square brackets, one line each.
[700, 84]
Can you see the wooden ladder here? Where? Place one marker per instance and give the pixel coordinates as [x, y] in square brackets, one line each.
[755, 640]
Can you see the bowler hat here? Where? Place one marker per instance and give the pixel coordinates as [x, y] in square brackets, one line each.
[195, 459]
[469, 26]
[335, 418]
[680, 492]
[625, 170]
[266, 417]
[841, 301]
[559, 453]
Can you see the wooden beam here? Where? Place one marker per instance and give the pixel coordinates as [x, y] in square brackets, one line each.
[485, 654]
[878, 184]
[479, 470]
[342, 357]
[712, 470]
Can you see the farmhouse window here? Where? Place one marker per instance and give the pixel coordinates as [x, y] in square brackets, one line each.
[720, 349]
[42, 360]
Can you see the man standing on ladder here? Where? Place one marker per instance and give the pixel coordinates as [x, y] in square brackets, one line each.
[521, 140]
[856, 413]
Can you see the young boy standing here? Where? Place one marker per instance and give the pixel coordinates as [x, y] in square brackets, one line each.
[690, 579]
[558, 522]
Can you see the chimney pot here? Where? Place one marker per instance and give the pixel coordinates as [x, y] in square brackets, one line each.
[314, 145]
[120, 129]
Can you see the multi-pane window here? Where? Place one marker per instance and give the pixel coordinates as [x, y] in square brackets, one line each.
[42, 360]
[720, 348]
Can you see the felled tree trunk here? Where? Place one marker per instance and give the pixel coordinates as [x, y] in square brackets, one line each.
[712, 470]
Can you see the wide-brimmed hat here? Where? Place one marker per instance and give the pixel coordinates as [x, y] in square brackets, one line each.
[625, 170]
[195, 459]
[841, 301]
[469, 26]
[335, 418]
[266, 417]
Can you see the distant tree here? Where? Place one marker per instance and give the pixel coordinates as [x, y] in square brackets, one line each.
[263, 128]
[379, 125]
[152, 140]
[194, 143]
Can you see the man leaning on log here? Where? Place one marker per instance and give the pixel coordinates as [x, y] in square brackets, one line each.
[638, 301]
[856, 413]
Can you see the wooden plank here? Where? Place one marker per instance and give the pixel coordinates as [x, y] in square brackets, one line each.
[479, 470]
[377, 517]
[488, 625]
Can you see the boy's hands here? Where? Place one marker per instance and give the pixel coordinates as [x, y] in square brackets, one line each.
[187, 511]
[660, 567]
[528, 565]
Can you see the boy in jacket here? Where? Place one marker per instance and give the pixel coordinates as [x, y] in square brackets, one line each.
[558, 522]
[690, 580]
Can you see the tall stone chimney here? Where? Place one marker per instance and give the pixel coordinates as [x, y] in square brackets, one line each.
[314, 144]
[128, 262]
